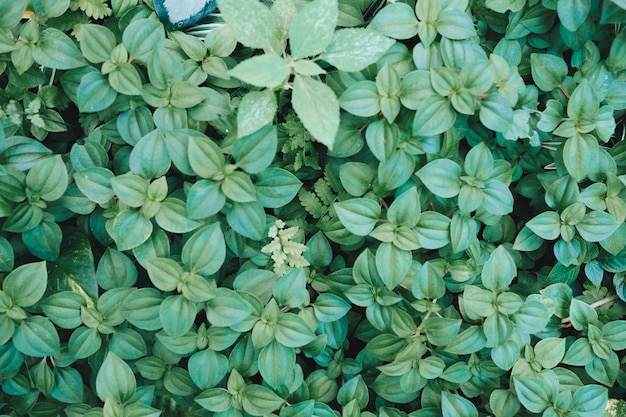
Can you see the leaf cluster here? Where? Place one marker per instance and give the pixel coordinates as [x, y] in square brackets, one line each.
[323, 208]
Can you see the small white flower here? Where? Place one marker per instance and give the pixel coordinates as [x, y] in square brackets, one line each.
[285, 253]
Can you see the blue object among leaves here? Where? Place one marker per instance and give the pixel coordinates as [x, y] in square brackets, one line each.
[179, 14]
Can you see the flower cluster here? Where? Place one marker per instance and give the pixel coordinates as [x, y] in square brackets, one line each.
[285, 253]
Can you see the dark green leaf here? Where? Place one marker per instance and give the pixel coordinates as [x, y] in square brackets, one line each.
[115, 379]
[37, 336]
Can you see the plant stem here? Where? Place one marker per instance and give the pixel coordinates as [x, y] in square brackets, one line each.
[596, 304]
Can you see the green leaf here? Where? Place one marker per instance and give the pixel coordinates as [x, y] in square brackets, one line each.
[115, 270]
[256, 110]
[405, 209]
[468, 341]
[44, 240]
[184, 95]
[546, 225]
[63, 308]
[356, 177]
[48, 178]
[312, 28]
[37, 336]
[164, 273]
[125, 79]
[358, 215]
[94, 93]
[24, 217]
[250, 21]
[533, 393]
[317, 107]
[56, 50]
[433, 230]
[256, 151]
[497, 198]
[441, 331]
[533, 317]
[429, 282]
[396, 20]
[95, 183]
[141, 37]
[260, 401]
[177, 315]
[573, 13]
[441, 177]
[455, 24]
[115, 379]
[247, 219]
[238, 187]
[205, 359]
[68, 386]
[292, 331]
[205, 251]
[354, 389]
[392, 264]
[26, 284]
[330, 308]
[433, 116]
[548, 71]
[504, 403]
[42, 377]
[580, 153]
[275, 363]
[11, 13]
[149, 157]
[596, 226]
[496, 113]
[354, 49]
[205, 199]
[128, 344]
[227, 308]
[130, 189]
[498, 328]
[382, 139]
[267, 70]
[205, 157]
[214, 399]
[582, 314]
[361, 99]
[276, 187]
[590, 400]
[172, 217]
[453, 405]
[96, 42]
[549, 351]
[141, 308]
[129, 229]
[290, 289]
[614, 333]
[499, 270]
[84, 342]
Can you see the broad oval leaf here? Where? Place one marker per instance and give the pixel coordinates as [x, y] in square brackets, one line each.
[57, 50]
[441, 177]
[115, 379]
[433, 116]
[36, 336]
[354, 49]
[358, 215]
[26, 284]
[317, 107]
[205, 251]
[312, 28]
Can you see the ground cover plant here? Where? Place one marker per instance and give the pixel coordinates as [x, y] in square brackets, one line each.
[318, 208]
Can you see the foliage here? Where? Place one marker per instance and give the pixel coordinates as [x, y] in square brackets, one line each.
[316, 208]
